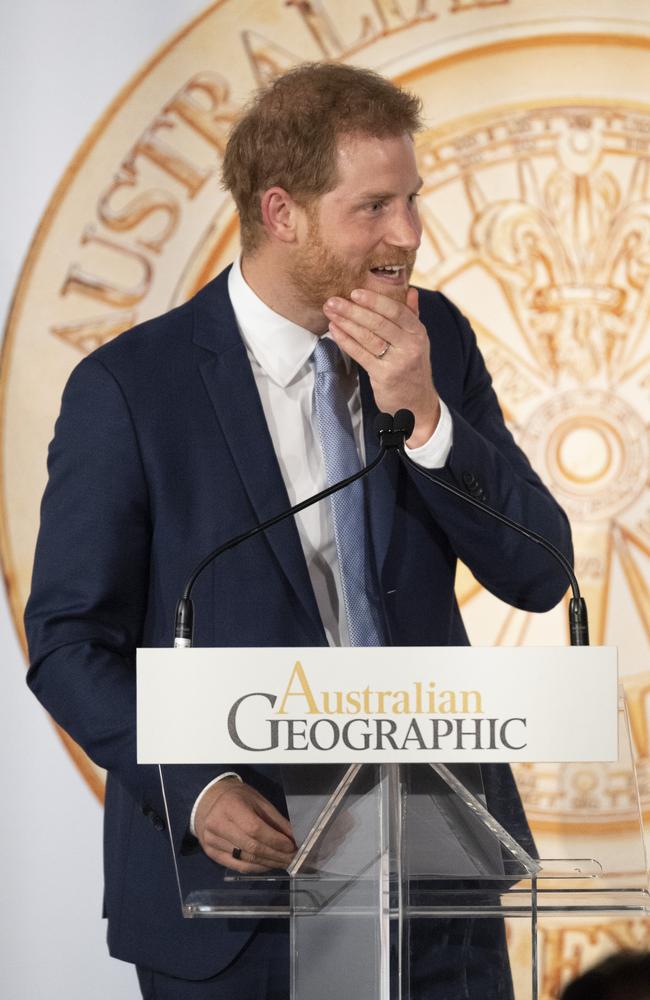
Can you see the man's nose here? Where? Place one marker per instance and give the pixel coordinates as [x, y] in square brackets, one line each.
[405, 229]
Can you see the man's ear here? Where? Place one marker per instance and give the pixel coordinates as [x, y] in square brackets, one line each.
[280, 214]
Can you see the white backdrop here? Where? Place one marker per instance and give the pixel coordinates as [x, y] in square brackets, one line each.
[62, 62]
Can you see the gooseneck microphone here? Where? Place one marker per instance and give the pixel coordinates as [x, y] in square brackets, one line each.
[393, 432]
[184, 626]
[403, 424]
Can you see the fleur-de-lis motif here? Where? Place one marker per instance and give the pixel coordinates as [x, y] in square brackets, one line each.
[573, 258]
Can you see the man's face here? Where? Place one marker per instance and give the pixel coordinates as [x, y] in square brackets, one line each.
[369, 222]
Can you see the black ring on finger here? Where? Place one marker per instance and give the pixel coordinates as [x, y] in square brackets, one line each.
[236, 853]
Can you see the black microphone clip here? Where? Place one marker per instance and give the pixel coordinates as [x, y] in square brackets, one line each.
[184, 625]
[394, 431]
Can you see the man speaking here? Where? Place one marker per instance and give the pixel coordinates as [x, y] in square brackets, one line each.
[196, 426]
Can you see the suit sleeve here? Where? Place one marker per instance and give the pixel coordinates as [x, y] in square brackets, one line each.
[89, 586]
[85, 615]
[485, 458]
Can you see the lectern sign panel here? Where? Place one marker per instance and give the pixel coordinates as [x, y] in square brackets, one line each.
[410, 704]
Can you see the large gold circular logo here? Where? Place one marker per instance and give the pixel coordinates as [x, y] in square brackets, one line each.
[536, 211]
[536, 223]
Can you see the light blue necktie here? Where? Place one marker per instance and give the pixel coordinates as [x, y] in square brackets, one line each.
[341, 458]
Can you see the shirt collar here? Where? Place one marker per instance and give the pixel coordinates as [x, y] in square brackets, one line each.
[280, 347]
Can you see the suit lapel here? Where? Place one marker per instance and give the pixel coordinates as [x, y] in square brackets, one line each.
[229, 381]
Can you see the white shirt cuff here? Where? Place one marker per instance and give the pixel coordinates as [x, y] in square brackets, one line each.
[434, 453]
[220, 777]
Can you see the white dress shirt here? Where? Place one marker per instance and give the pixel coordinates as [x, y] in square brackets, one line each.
[279, 352]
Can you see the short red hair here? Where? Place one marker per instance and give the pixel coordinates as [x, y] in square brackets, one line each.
[287, 136]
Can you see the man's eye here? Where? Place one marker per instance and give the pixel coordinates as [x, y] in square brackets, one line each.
[376, 206]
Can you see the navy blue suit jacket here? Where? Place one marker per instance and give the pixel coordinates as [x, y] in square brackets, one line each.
[161, 453]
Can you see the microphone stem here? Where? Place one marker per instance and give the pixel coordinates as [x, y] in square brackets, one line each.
[280, 517]
[578, 626]
[391, 439]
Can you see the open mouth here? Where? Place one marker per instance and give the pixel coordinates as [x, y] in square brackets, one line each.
[394, 273]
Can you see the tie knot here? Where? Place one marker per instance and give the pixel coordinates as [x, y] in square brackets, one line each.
[327, 357]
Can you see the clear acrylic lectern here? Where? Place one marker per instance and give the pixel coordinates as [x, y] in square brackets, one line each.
[394, 858]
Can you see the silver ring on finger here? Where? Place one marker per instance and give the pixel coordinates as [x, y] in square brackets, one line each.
[382, 353]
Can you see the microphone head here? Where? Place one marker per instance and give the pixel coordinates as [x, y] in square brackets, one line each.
[404, 422]
[383, 423]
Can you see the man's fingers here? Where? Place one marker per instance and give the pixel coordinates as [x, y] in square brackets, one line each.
[274, 818]
[379, 310]
[413, 300]
[351, 347]
[256, 848]
[244, 819]
[250, 852]
[370, 342]
[225, 858]
[376, 328]
[262, 823]
[391, 309]
[387, 339]
[250, 810]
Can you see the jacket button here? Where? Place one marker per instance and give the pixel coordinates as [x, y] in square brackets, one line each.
[473, 486]
[156, 821]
